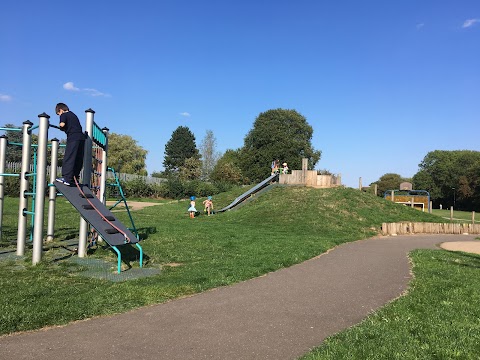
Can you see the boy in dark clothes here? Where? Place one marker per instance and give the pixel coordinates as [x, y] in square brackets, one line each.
[73, 158]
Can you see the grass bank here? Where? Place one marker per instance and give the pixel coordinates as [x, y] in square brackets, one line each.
[280, 228]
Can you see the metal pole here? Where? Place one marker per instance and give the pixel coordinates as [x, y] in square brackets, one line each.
[23, 203]
[103, 179]
[3, 158]
[52, 191]
[87, 179]
[40, 186]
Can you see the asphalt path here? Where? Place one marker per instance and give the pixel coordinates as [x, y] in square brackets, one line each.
[281, 315]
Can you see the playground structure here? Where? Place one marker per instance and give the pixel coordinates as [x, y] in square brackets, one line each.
[418, 199]
[309, 178]
[88, 198]
[303, 177]
[254, 190]
[120, 195]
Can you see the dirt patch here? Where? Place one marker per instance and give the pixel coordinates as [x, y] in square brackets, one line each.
[132, 205]
[465, 246]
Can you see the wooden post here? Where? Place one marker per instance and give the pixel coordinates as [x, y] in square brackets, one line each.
[451, 213]
[360, 183]
[412, 202]
[304, 170]
[392, 196]
[375, 189]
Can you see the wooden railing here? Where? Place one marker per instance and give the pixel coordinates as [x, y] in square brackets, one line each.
[405, 228]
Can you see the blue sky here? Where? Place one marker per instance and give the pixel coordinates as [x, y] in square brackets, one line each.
[382, 83]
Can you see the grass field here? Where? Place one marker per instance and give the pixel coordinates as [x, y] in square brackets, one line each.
[278, 229]
[438, 319]
[458, 216]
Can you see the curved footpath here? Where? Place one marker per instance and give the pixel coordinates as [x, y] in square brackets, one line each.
[278, 316]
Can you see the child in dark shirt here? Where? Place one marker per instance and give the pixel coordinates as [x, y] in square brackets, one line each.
[73, 158]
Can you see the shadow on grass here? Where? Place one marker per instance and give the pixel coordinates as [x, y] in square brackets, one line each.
[145, 231]
[464, 259]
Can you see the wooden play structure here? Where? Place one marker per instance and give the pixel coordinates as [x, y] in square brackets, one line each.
[418, 199]
[309, 178]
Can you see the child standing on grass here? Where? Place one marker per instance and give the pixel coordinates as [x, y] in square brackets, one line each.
[192, 209]
[208, 205]
[73, 157]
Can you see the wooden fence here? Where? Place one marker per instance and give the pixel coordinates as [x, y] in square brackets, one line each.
[405, 228]
[310, 178]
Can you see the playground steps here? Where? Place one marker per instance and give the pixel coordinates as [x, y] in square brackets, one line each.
[83, 204]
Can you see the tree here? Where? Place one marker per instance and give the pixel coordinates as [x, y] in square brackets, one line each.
[277, 134]
[227, 168]
[180, 147]
[14, 152]
[388, 181]
[157, 174]
[125, 155]
[209, 154]
[450, 175]
[191, 169]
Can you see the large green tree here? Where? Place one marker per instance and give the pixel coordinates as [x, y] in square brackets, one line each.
[180, 147]
[389, 181]
[125, 155]
[227, 169]
[451, 176]
[277, 134]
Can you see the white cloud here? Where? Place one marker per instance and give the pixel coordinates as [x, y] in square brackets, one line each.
[95, 92]
[69, 86]
[186, 114]
[5, 98]
[469, 22]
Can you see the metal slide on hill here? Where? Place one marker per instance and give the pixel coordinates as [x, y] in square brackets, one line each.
[113, 232]
[250, 192]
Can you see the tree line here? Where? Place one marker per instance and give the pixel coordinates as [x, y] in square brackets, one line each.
[276, 134]
[451, 178]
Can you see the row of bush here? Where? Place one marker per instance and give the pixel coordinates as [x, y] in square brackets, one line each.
[171, 189]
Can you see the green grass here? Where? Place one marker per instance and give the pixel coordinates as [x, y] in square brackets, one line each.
[282, 227]
[439, 319]
[458, 216]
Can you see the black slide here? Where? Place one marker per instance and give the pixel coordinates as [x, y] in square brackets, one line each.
[97, 215]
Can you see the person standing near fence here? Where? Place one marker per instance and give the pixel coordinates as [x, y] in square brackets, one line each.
[274, 166]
